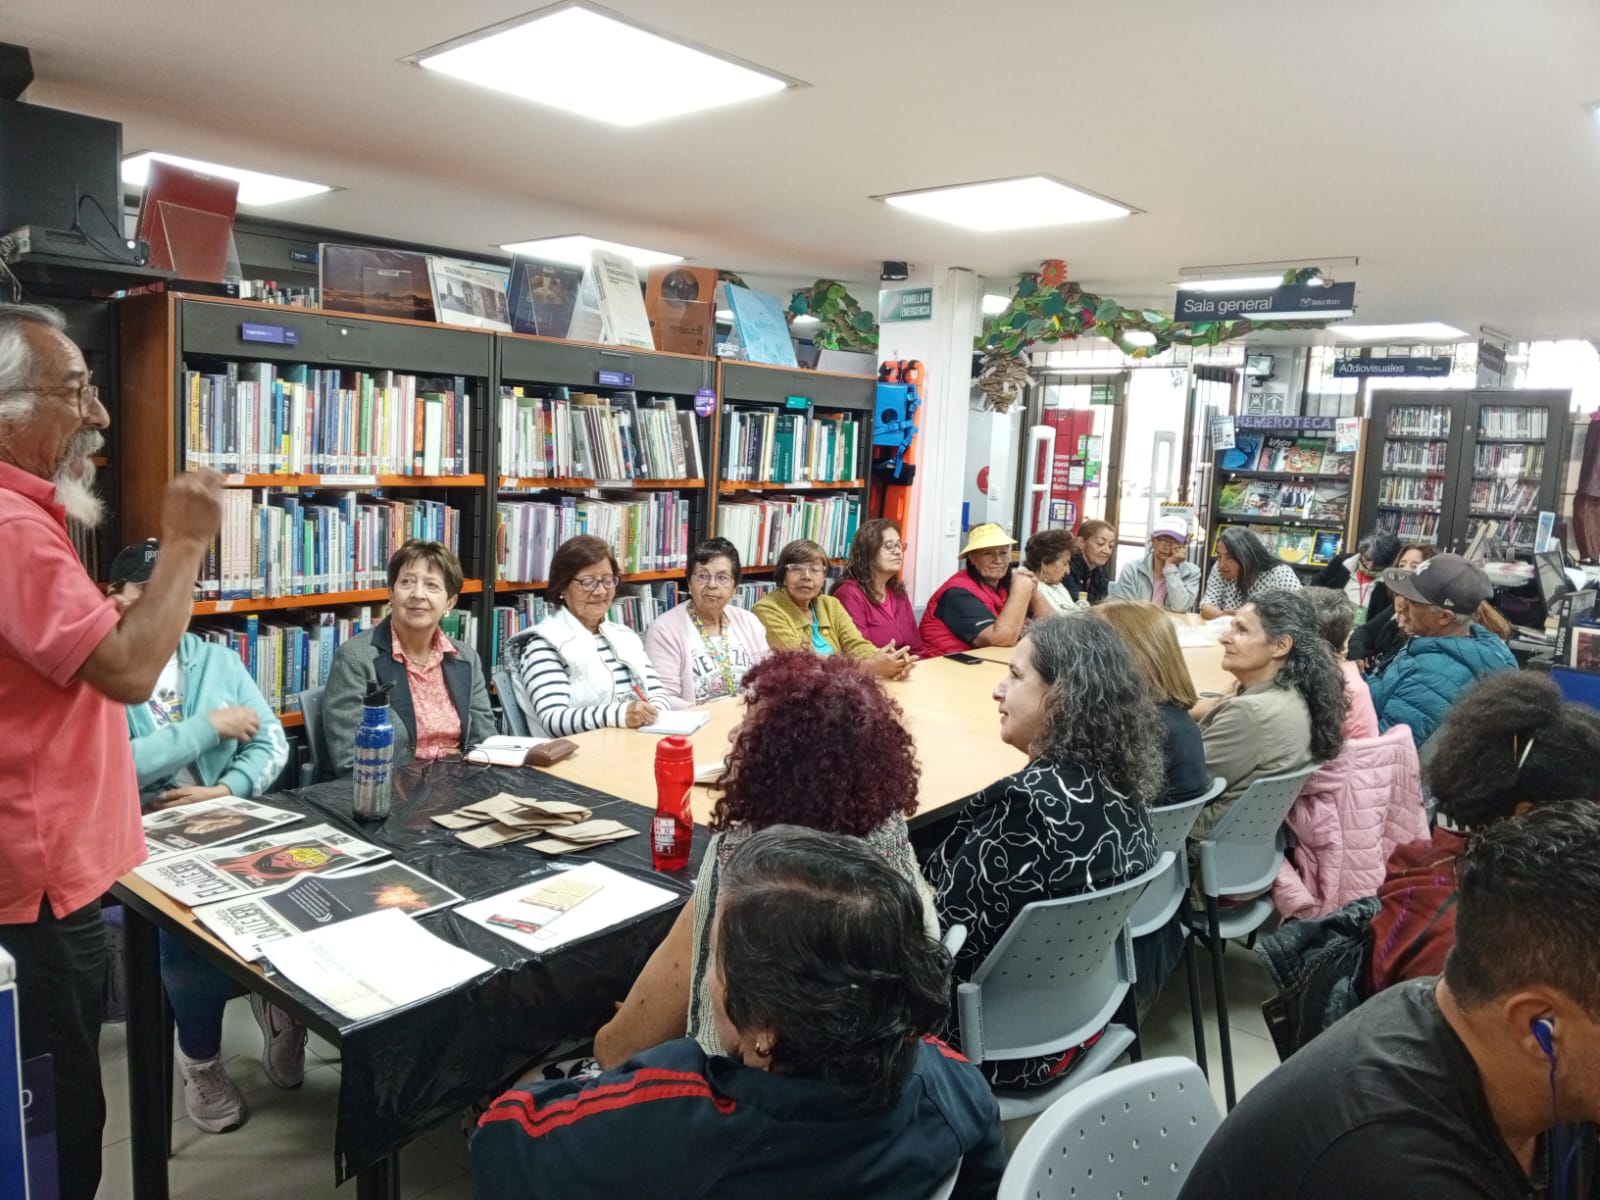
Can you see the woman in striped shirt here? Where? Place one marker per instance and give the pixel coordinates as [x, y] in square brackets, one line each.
[575, 670]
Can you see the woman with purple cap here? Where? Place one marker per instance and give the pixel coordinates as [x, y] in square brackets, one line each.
[1164, 577]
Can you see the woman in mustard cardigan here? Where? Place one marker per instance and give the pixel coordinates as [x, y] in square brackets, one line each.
[798, 616]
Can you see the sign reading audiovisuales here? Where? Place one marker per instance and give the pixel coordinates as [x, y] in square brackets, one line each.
[1285, 303]
[907, 304]
[1392, 368]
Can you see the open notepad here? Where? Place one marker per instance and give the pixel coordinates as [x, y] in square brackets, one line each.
[680, 721]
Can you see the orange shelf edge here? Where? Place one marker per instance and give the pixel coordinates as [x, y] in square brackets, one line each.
[549, 483]
[508, 585]
[343, 481]
[291, 720]
[205, 608]
[728, 489]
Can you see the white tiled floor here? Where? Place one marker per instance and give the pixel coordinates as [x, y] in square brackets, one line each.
[285, 1149]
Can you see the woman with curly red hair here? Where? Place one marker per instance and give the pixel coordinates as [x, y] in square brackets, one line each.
[796, 760]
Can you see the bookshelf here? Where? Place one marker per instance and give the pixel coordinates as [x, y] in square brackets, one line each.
[1285, 480]
[1442, 464]
[792, 453]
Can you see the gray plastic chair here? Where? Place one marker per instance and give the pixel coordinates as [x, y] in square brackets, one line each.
[1135, 1131]
[516, 723]
[1166, 895]
[1241, 857]
[1057, 977]
[316, 739]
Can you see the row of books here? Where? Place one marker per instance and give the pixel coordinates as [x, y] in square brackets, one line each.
[1313, 547]
[1505, 496]
[273, 419]
[1525, 462]
[269, 291]
[1410, 526]
[287, 658]
[648, 531]
[1401, 492]
[1255, 451]
[790, 447]
[1518, 532]
[1414, 457]
[587, 436]
[1328, 502]
[1513, 421]
[760, 529]
[284, 544]
[1419, 420]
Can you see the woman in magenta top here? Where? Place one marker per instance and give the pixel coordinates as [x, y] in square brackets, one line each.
[871, 591]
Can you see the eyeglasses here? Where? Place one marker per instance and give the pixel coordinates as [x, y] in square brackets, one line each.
[894, 547]
[808, 568]
[598, 583]
[88, 394]
[704, 580]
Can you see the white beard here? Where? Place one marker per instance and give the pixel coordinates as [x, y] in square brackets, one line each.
[76, 494]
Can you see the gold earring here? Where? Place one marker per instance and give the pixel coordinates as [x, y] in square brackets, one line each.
[761, 1051]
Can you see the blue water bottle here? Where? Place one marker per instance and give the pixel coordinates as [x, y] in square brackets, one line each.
[374, 756]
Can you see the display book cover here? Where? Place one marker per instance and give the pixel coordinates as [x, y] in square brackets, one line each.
[759, 327]
[542, 296]
[681, 304]
[187, 217]
[471, 295]
[258, 864]
[621, 303]
[375, 283]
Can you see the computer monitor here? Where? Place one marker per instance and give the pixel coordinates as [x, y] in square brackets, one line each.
[1551, 573]
[49, 160]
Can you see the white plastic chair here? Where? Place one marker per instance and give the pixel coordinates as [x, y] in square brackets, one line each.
[1135, 1132]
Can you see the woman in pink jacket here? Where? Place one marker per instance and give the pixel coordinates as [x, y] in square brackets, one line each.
[702, 649]
[871, 591]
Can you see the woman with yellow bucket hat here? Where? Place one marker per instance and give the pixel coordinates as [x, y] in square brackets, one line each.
[985, 602]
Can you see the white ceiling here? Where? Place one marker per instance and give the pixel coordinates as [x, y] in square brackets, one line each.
[1444, 142]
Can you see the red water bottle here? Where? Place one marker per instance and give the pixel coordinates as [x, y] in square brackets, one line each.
[673, 829]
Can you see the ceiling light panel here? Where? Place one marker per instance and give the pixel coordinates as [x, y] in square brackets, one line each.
[1420, 331]
[1242, 283]
[576, 249]
[256, 188]
[585, 60]
[994, 305]
[1032, 202]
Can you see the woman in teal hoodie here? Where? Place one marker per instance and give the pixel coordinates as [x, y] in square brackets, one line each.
[205, 732]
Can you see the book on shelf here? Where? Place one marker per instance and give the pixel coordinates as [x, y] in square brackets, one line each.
[621, 304]
[1261, 498]
[470, 295]
[1306, 455]
[1295, 498]
[1338, 462]
[771, 446]
[1410, 526]
[1419, 420]
[1415, 457]
[1275, 451]
[1411, 492]
[1295, 545]
[1325, 547]
[1330, 502]
[262, 418]
[681, 303]
[542, 296]
[581, 435]
[636, 606]
[1243, 454]
[761, 528]
[1509, 461]
[648, 531]
[377, 283]
[275, 544]
[291, 655]
[760, 328]
[1513, 421]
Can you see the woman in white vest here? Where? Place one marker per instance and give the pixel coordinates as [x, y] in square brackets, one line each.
[575, 670]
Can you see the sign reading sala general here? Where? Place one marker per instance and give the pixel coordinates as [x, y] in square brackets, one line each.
[1311, 303]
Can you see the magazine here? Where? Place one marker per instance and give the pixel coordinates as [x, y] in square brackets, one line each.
[1261, 499]
[469, 295]
[1295, 545]
[260, 865]
[1243, 453]
[250, 922]
[1275, 452]
[1305, 456]
[557, 909]
[207, 823]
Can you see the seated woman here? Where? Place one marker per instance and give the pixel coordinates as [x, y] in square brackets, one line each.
[1289, 708]
[702, 649]
[1048, 555]
[1149, 635]
[1089, 580]
[438, 701]
[820, 1079]
[871, 590]
[1335, 620]
[799, 615]
[796, 760]
[1073, 820]
[1375, 641]
[1360, 576]
[206, 732]
[985, 603]
[1244, 569]
[1164, 577]
[1507, 745]
[575, 670]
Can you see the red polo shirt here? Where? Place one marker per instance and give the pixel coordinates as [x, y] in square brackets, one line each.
[69, 802]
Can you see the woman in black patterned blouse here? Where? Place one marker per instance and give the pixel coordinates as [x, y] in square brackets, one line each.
[1074, 820]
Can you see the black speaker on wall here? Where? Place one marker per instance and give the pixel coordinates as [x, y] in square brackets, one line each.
[16, 71]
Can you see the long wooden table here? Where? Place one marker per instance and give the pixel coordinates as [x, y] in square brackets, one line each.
[948, 706]
[1204, 663]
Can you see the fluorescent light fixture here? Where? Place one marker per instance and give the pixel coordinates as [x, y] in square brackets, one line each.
[575, 248]
[256, 188]
[552, 57]
[1420, 331]
[1242, 283]
[1030, 202]
[995, 305]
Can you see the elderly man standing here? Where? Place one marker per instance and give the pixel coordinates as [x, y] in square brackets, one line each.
[69, 661]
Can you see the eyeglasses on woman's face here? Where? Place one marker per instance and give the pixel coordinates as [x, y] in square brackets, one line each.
[808, 569]
[591, 585]
[705, 579]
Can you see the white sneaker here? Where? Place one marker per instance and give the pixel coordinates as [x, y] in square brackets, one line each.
[283, 1044]
[213, 1102]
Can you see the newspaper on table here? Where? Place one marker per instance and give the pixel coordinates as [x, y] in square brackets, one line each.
[248, 923]
[371, 964]
[564, 906]
[209, 823]
[257, 865]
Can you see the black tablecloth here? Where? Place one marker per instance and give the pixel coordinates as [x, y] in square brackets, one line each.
[406, 1071]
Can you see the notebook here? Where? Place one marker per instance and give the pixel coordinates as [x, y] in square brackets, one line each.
[679, 721]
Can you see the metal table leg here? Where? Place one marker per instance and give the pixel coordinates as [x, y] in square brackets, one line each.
[149, 1085]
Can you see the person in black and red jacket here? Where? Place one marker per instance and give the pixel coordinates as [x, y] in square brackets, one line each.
[825, 985]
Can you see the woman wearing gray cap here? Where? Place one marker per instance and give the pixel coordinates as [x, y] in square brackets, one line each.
[1446, 652]
[1164, 577]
